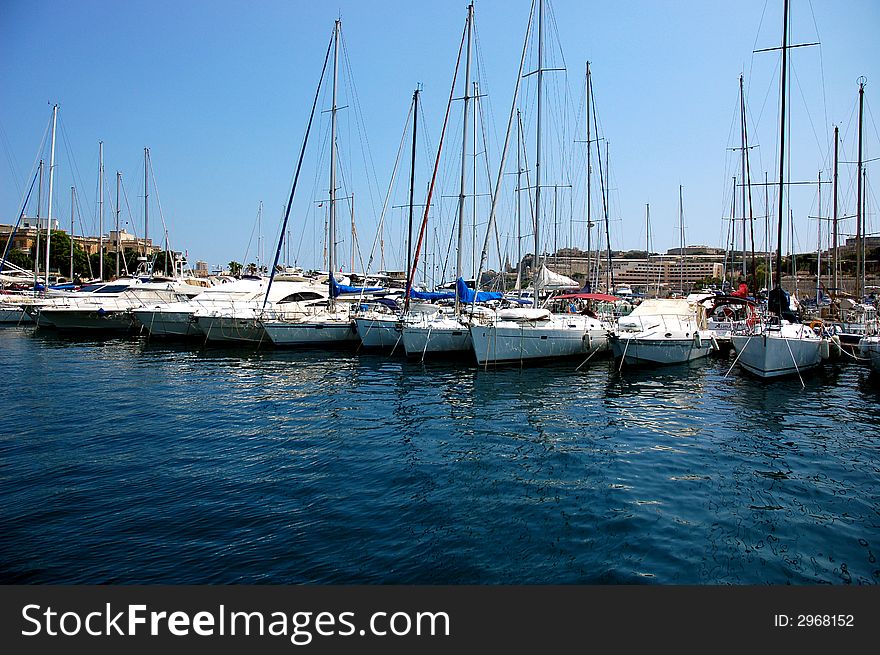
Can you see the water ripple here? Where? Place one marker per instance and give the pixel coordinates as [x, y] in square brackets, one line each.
[128, 461]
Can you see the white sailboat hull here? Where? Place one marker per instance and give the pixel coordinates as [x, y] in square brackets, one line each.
[506, 342]
[658, 351]
[777, 353]
[378, 332]
[69, 318]
[168, 324]
[230, 329]
[312, 333]
[14, 315]
[434, 339]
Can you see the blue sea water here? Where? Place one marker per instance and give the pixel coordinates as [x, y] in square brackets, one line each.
[124, 460]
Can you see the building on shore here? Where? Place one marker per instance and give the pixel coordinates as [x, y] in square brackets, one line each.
[25, 238]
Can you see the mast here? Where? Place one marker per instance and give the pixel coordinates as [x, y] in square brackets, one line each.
[834, 214]
[260, 238]
[860, 274]
[101, 210]
[731, 244]
[819, 244]
[647, 243]
[519, 204]
[608, 218]
[781, 153]
[538, 148]
[464, 142]
[118, 180]
[769, 279]
[351, 266]
[747, 179]
[72, 205]
[589, 170]
[39, 211]
[146, 197]
[331, 229]
[681, 237]
[412, 183]
[742, 104]
[51, 183]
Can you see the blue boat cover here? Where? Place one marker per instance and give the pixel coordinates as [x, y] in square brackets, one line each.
[466, 294]
[431, 295]
[337, 289]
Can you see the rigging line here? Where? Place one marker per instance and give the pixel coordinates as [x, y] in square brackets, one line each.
[298, 168]
[755, 44]
[484, 255]
[20, 216]
[7, 149]
[807, 107]
[250, 239]
[67, 148]
[821, 64]
[381, 225]
[422, 228]
[312, 211]
[35, 167]
[159, 205]
[360, 124]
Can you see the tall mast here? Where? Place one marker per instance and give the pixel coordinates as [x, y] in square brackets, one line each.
[412, 184]
[647, 243]
[518, 203]
[747, 178]
[768, 276]
[589, 170]
[781, 151]
[464, 142]
[353, 233]
[608, 218]
[681, 239]
[819, 244]
[731, 245]
[118, 181]
[476, 96]
[39, 212]
[538, 148]
[51, 183]
[260, 238]
[742, 104]
[834, 212]
[860, 275]
[72, 205]
[146, 197]
[101, 210]
[331, 230]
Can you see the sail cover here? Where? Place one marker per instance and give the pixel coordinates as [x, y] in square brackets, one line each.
[466, 294]
[550, 280]
[337, 289]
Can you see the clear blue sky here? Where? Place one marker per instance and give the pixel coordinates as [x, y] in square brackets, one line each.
[220, 93]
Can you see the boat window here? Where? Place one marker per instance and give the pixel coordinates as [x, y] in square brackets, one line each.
[300, 296]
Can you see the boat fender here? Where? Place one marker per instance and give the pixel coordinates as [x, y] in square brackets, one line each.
[698, 340]
[824, 349]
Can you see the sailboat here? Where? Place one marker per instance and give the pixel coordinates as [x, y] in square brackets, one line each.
[857, 318]
[378, 322]
[441, 329]
[328, 322]
[782, 345]
[664, 330]
[520, 334]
